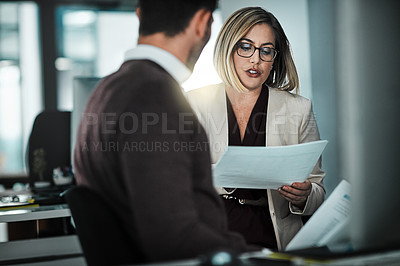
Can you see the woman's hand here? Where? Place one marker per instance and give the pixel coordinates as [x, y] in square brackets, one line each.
[297, 193]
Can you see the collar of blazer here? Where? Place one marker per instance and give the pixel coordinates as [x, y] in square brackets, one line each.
[209, 104]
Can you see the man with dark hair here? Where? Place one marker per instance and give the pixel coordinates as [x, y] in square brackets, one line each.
[141, 146]
[170, 17]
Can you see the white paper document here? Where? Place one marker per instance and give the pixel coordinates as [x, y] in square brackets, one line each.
[266, 167]
[328, 224]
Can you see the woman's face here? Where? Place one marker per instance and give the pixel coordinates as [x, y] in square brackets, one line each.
[252, 71]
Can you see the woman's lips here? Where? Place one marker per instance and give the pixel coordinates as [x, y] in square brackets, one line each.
[253, 73]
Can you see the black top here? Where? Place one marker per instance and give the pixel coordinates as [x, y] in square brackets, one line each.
[253, 222]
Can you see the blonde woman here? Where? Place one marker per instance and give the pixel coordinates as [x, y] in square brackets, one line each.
[257, 105]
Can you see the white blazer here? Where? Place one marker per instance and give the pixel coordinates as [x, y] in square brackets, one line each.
[290, 120]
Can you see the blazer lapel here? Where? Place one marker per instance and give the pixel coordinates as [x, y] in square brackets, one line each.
[276, 120]
[217, 123]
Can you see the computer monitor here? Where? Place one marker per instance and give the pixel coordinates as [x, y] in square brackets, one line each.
[82, 88]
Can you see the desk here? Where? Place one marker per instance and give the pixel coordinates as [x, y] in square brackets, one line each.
[30, 214]
[35, 213]
[43, 251]
[38, 249]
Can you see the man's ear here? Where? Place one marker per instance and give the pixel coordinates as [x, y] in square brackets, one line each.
[202, 22]
[138, 10]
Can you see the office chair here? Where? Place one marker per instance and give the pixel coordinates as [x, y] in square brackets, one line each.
[100, 231]
[49, 145]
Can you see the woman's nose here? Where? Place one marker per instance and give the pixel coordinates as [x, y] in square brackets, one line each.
[255, 58]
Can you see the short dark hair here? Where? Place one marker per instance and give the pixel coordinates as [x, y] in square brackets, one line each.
[170, 16]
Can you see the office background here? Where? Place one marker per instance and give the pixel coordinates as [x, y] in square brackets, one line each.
[346, 52]
[45, 43]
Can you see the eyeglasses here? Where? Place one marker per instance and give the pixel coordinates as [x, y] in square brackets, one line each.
[267, 54]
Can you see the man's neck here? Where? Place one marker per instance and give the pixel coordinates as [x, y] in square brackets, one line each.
[174, 45]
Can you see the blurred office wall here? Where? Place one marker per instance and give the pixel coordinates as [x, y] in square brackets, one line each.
[321, 22]
[20, 82]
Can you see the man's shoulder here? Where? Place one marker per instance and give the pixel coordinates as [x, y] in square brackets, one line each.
[139, 76]
[135, 84]
[143, 69]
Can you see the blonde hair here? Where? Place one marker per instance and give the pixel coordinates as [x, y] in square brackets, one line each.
[283, 74]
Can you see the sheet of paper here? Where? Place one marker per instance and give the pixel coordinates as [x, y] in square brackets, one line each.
[266, 167]
[327, 223]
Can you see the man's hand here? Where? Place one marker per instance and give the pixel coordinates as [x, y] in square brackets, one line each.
[297, 193]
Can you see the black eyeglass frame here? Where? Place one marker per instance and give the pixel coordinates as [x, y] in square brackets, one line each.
[259, 51]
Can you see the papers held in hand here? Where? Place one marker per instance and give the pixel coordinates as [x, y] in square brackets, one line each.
[266, 167]
[329, 224]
